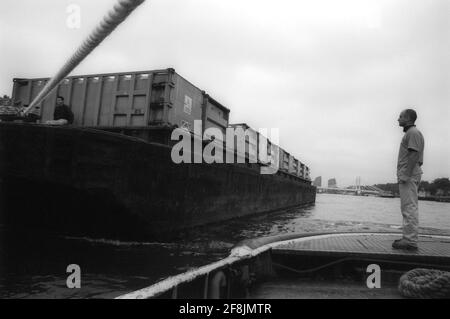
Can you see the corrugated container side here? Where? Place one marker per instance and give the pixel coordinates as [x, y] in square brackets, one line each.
[287, 157]
[280, 157]
[257, 145]
[307, 174]
[299, 169]
[275, 156]
[24, 90]
[119, 99]
[291, 164]
[127, 99]
[264, 149]
[214, 115]
[284, 160]
[246, 138]
[303, 171]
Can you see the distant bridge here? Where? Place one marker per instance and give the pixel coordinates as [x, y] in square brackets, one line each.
[355, 190]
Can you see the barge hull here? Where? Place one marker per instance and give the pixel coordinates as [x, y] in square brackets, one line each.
[82, 181]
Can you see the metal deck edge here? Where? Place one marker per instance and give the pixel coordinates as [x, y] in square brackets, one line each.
[245, 250]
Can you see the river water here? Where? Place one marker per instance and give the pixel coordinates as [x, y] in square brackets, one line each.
[34, 266]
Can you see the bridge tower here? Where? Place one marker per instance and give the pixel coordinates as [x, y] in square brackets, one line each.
[358, 185]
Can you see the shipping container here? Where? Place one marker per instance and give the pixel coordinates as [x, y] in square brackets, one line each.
[299, 169]
[135, 99]
[271, 153]
[214, 114]
[257, 146]
[265, 150]
[245, 140]
[302, 170]
[307, 177]
[284, 160]
[293, 163]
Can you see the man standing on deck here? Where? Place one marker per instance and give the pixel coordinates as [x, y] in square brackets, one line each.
[409, 172]
[62, 115]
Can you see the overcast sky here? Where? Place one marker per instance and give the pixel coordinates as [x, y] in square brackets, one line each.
[331, 75]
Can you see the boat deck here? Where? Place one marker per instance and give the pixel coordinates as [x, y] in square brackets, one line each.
[432, 248]
[288, 288]
[433, 252]
[311, 265]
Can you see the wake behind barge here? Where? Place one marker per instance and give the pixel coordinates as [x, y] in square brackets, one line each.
[111, 174]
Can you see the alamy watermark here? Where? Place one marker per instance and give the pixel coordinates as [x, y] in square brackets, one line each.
[374, 279]
[239, 145]
[74, 279]
[73, 20]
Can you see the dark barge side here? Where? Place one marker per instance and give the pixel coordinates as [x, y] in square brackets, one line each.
[111, 173]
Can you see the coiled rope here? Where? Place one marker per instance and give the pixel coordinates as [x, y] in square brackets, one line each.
[110, 21]
[425, 283]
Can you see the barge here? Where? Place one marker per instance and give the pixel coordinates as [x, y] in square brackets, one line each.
[112, 174]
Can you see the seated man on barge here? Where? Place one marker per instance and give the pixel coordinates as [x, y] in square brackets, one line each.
[62, 115]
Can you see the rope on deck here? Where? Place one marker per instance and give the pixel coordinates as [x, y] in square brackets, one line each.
[112, 19]
[425, 283]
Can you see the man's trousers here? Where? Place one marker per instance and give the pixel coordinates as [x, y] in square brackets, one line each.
[410, 208]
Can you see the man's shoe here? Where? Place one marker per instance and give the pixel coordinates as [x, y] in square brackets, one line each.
[403, 244]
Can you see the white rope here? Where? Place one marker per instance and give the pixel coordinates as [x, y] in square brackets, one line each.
[110, 21]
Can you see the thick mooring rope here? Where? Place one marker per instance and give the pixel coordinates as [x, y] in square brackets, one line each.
[110, 21]
[425, 283]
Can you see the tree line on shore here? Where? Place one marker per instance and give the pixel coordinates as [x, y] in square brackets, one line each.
[438, 187]
[5, 100]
